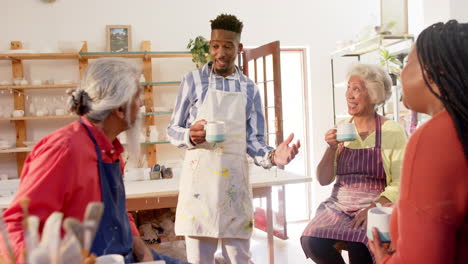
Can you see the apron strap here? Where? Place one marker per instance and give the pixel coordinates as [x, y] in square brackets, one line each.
[98, 151]
[378, 131]
[242, 83]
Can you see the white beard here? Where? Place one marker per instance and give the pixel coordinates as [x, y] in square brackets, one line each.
[133, 143]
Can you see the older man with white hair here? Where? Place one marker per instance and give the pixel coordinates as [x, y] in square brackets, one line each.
[81, 163]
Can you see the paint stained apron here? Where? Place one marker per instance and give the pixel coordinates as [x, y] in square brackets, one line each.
[215, 197]
[360, 179]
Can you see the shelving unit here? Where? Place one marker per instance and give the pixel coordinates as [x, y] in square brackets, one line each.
[32, 87]
[370, 45]
[363, 48]
[38, 117]
[157, 113]
[35, 56]
[83, 57]
[161, 83]
[16, 150]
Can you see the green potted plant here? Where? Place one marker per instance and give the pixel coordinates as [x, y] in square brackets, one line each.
[392, 63]
[199, 47]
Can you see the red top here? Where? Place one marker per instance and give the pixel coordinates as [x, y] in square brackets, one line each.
[430, 221]
[61, 174]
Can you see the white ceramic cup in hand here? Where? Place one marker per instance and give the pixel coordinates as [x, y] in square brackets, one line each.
[379, 217]
[215, 131]
[346, 132]
[110, 259]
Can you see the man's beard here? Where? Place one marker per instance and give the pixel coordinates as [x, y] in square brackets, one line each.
[133, 143]
[221, 71]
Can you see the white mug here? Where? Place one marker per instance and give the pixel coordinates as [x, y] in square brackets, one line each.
[36, 82]
[18, 113]
[346, 132]
[3, 177]
[59, 111]
[5, 144]
[110, 259]
[379, 217]
[215, 131]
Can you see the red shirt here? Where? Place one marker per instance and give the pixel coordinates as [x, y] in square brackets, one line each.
[61, 174]
[430, 221]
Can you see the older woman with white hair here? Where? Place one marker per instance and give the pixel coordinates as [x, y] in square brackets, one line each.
[365, 171]
[81, 163]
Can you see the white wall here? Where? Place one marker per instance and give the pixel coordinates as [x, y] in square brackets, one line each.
[459, 10]
[423, 13]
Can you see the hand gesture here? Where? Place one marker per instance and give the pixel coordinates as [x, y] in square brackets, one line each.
[330, 138]
[360, 220]
[285, 153]
[197, 132]
[379, 249]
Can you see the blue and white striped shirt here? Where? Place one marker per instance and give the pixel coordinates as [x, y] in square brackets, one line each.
[192, 92]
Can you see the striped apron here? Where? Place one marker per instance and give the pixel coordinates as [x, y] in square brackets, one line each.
[360, 179]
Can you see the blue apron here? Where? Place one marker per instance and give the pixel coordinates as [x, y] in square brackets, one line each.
[114, 235]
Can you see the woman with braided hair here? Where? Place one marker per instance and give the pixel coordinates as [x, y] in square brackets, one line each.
[430, 221]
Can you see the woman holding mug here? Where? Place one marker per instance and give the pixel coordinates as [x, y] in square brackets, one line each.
[365, 171]
[429, 223]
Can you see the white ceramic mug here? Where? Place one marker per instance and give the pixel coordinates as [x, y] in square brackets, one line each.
[36, 82]
[18, 113]
[110, 259]
[59, 111]
[3, 177]
[379, 217]
[215, 131]
[346, 132]
[5, 144]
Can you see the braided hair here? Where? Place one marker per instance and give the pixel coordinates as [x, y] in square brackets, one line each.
[227, 22]
[442, 51]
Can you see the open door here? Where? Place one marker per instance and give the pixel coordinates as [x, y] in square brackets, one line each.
[262, 65]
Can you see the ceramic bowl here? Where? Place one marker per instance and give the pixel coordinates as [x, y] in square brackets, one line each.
[4, 144]
[29, 143]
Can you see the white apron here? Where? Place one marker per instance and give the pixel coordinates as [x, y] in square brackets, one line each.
[215, 197]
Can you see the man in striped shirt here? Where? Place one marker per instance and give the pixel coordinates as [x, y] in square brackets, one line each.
[215, 193]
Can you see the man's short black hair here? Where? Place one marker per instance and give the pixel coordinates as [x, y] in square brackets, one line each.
[227, 22]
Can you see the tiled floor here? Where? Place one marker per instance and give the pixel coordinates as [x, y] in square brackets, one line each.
[286, 251]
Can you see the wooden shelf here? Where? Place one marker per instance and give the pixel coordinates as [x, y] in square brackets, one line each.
[155, 143]
[152, 143]
[16, 150]
[94, 55]
[38, 56]
[137, 54]
[371, 44]
[157, 113]
[160, 83]
[38, 117]
[31, 87]
[342, 84]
